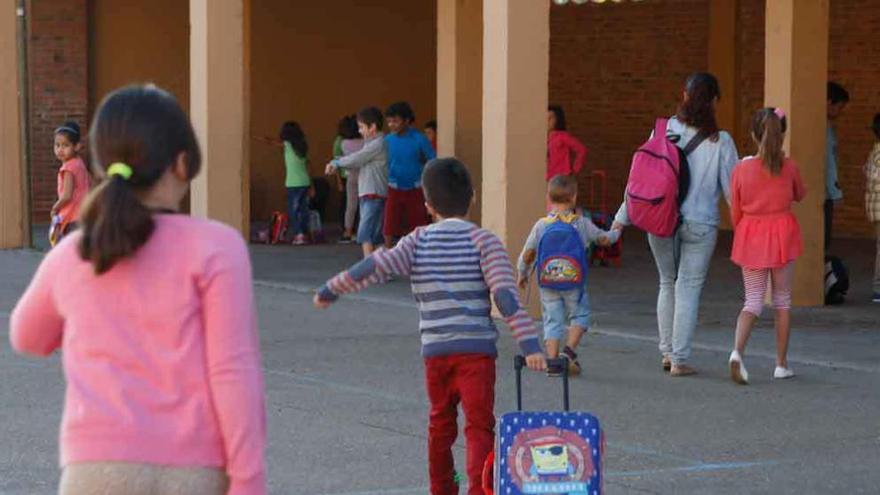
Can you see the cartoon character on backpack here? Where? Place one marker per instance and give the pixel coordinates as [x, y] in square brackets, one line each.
[562, 256]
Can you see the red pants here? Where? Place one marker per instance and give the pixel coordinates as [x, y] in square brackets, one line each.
[404, 211]
[468, 379]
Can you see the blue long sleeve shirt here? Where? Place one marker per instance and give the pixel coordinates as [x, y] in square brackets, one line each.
[832, 188]
[407, 155]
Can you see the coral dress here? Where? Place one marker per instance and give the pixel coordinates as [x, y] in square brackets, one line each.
[766, 232]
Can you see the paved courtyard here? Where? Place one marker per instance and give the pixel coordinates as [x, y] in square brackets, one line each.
[347, 409]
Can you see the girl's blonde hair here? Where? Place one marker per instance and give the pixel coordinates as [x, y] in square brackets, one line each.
[768, 131]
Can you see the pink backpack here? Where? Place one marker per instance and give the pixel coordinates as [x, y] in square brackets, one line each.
[658, 182]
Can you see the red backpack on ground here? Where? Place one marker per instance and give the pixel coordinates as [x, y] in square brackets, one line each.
[277, 227]
[658, 182]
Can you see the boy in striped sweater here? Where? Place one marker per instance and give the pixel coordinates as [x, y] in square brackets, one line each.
[457, 270]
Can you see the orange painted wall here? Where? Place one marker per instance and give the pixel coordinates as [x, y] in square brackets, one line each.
[314, 62]
[138, 41]
[310, 61]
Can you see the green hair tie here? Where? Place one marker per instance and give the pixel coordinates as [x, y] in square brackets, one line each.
[120, 169]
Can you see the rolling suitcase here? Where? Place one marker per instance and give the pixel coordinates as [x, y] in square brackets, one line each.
[551, 453]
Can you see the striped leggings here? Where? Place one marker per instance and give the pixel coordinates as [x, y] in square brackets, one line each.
[755, 282]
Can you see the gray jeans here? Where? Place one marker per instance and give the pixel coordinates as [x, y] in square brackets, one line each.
[682, 263]
[351, 198]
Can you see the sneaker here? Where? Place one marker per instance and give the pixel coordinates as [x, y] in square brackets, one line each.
[738, 371]
[574, 367]
[345, 240]
[666, 362]
[300, 240]
[782, 373]
[681, 370]
[876, 298]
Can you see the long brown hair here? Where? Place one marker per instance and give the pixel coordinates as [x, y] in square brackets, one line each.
[768, 131]
[698, 107]
[144, 128]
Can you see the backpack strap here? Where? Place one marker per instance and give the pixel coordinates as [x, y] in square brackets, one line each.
[694, 143]
[660, 127]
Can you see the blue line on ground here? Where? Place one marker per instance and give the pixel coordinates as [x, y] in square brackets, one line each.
[698, 468]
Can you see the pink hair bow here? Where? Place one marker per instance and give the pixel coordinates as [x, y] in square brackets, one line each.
[779, 113]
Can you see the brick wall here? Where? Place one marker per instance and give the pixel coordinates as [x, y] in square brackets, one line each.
[605, 70]
[58, 79]
[854, 62]
[614, 68]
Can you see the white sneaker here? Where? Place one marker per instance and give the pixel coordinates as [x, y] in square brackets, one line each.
[782, 373]
[738, 371]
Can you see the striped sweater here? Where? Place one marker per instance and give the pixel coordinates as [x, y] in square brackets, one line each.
[457, 269]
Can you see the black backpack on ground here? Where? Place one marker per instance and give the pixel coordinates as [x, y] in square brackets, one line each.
[836, 280]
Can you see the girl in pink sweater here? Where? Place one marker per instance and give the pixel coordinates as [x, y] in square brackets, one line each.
[767, 237]
[154, 314]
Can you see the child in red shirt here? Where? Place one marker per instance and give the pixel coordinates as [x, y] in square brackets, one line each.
[767, 237]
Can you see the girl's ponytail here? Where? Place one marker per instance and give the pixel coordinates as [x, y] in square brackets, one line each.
[114, 224]
[768, 131]
[138, 133]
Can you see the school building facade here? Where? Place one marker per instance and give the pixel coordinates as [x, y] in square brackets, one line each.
[486, 69]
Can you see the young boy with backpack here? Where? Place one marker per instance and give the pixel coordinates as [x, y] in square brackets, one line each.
[457, 269]
[558, 245]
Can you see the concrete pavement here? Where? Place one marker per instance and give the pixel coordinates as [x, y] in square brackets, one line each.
[347, 409]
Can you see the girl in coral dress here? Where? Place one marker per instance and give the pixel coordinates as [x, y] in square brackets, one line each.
[767, 237]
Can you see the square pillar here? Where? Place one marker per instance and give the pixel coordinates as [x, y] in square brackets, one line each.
[13, 222]
[516, 65]
[460, 85]
[796, 68]
[219, 108]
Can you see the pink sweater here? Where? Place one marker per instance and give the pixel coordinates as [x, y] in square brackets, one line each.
[161, 353]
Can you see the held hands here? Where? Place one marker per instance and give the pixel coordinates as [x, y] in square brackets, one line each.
[603, 241]
[320, 303]
[536, 362]
[329, 169]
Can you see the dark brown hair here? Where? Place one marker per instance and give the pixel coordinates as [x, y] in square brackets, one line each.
[698, 109]
[768, 131]
[371, 116]
[562, 189]
[144, 128]
[448, 187]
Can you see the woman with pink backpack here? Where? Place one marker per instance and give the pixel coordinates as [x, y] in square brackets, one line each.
[700, 167]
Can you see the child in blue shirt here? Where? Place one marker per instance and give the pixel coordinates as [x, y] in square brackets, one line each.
[408, 151]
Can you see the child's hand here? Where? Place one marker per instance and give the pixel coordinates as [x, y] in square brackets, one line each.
[603, 241]
[617, 226]
[320, 303]
[522, 282]
[536, 362]
[329, 169]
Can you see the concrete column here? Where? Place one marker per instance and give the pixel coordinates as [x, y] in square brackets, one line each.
[219, 109]
[796, 68]
[460, 85]
[13, 225]
[516, 45]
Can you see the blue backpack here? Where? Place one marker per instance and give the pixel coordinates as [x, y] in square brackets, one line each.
[562, 257]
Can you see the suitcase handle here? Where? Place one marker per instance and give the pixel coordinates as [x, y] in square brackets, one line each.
[519, 362]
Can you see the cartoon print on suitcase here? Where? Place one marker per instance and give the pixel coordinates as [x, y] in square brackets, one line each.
[550, 453]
